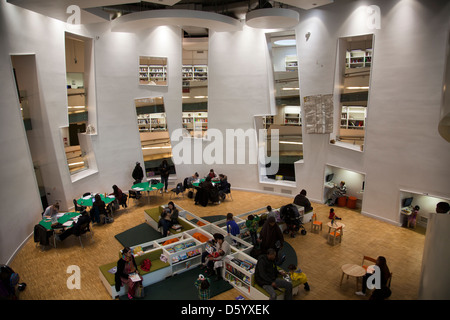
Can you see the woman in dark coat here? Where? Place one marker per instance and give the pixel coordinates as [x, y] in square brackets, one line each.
[126, 266]
[271, 236]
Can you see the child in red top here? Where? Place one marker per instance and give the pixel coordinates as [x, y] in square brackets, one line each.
[333, 215]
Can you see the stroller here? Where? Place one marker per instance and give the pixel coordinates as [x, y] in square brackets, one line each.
[290, 215]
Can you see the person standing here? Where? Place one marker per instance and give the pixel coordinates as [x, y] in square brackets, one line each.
[138, 173]
[164, 172]
[271, 237]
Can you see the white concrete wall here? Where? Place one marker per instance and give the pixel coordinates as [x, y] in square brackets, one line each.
[403, 149]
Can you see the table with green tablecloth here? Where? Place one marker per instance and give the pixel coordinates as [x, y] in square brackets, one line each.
[87, 201]
[197, 182]
[62, 219]
[147, 186]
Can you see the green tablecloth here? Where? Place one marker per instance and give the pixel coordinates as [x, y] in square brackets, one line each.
[196, 184]
[146, 186]
[88, 201]
[47, 223]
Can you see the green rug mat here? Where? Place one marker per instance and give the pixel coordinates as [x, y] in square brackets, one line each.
[144, 233]
[140, 234]
[181, 287]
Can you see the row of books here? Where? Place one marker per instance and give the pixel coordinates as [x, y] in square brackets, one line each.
[181, 246]
[186, 255]
[246, 264]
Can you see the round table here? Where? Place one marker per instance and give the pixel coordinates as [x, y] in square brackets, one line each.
[335, 225]
[197, 182]
[87, 200]
[146, 186]
[352, 270]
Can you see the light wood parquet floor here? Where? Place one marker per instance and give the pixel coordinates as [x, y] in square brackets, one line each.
[45, 272]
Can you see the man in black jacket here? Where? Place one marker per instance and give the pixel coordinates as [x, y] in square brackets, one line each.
[76, 229]
[266, 275]
[138, 173]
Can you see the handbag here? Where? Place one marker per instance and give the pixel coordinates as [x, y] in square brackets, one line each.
[139, 292]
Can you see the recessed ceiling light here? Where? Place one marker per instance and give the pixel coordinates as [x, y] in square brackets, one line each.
[285, 42]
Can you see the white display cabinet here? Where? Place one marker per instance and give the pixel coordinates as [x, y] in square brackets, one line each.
[183, 254]
[239, 271]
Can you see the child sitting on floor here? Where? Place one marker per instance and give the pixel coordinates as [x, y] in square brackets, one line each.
[298, 274]
[333, 216]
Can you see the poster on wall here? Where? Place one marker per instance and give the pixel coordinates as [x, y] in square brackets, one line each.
[319, 113]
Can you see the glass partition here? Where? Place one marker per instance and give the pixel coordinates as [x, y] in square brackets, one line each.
[153, 71]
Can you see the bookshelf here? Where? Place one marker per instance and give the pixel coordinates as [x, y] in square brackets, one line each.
[151, 122]
[353, 117]
[359, 59]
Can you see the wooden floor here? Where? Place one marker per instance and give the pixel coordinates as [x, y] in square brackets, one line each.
[45, 272]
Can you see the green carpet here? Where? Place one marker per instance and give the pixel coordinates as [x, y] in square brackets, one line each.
[140, 234]
[181, 287]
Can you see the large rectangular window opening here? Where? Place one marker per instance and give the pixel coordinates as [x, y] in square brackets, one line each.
[355, 55]
[154, 135]
[287, 119]
[77, 78]
[195, 83]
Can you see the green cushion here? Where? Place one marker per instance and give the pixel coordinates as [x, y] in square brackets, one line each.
[295, 283]
[153, 256]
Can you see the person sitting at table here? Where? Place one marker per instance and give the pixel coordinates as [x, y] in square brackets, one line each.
[333, 216]
[190, 180]
[338, 192]
[121, 198]
[212, 174]
[51, 211]
[98, 209]
[384, 291]
[125, 267]
[223, 186]
[76, 228]
[302, 200]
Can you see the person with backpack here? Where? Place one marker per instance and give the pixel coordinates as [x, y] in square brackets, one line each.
[138, 173]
